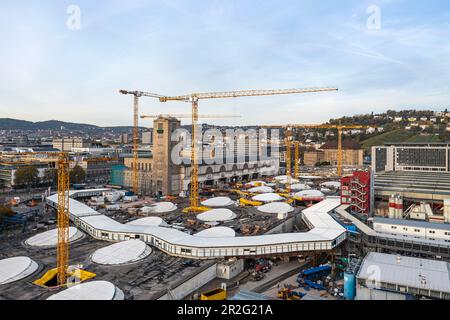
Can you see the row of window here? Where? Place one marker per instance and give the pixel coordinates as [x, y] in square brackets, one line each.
[419, 230]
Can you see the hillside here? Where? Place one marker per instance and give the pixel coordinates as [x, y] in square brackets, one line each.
[14, 124]
[399, 135]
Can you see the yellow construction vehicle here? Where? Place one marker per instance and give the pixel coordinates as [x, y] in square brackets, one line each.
[216, 294]
[288, 294]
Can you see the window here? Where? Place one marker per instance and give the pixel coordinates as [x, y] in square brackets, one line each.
[417, 230]
[432, 231]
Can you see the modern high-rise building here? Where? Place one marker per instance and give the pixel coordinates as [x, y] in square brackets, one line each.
[434, 157]
[67, 143]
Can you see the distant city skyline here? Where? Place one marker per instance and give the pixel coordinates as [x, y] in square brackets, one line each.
[388, 54]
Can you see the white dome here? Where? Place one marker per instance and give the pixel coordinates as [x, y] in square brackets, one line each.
[50, 238]
[284, 179]
[326, 191]
[267, 197]
[95, 290]
[160, 207]
[122, 253]
[331, 184]
[218, 202]
[256, 184]
[17, 268]
[276, 207]
[216, 215]
[310, 194]
[261, 190]
[217, 232]
[149, 221]
[300, 187]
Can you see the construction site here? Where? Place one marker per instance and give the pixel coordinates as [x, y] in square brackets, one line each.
[259, 227]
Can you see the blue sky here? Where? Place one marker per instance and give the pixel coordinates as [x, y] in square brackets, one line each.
[173, 47]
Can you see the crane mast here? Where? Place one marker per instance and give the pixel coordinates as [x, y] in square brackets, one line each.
[62, 251]
[136, 96]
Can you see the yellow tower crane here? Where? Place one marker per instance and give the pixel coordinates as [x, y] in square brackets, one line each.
[194, 99]
[137, 95]
[340, 129]
[63, 218]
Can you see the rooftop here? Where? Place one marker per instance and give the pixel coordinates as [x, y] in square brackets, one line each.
[406, 271]
[412, 223]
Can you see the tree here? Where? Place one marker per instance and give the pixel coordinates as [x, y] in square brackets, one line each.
[77, 174]
[26, 176]
[50, 176]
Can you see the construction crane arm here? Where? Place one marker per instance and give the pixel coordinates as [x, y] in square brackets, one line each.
[189, 116]
[243, 93]
[141, 94]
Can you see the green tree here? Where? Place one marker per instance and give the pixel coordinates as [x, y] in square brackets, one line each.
[26, 176]
[77, 175]
[50, 176]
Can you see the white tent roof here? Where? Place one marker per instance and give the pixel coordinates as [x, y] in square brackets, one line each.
[310, 194]
[148, 221]
[122, 253]
[276, 207]
[160, 207]
[331, 184]
[267, 197]
[256, 183]
[217, 215]
[14, 269]
[261, 190]
[218, 202]
[50, 238]
[300, 186]
[95, 290]
[217, 232]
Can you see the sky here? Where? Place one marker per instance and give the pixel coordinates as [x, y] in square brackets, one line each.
[381, 54]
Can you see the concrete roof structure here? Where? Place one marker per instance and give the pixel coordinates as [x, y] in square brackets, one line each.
[149, 221]
[95, 290]
[122, 253]
[50, 238]
[160, 207]
[218, 202]
[17, 268]
[276, 207]
[406, 271]
[263, 189]
[217, 215]
[267, 197]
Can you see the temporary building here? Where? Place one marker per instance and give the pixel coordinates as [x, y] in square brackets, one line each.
[95, 290]
[50, 238]
[217, 215]
[122, 253]
[218, 202]
[17, 268]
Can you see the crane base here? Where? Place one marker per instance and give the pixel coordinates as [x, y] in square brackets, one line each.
[74, 276]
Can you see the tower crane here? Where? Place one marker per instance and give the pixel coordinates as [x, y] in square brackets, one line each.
[137, 95]
[340, 129]
[63, 218]
[194, 99]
